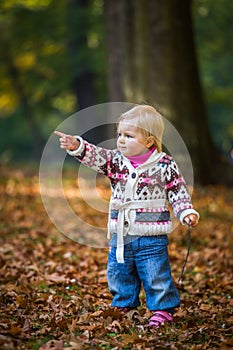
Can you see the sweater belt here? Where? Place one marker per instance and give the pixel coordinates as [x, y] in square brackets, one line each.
[124, 222]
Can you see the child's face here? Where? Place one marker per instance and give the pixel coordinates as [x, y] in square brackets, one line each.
[130, 141]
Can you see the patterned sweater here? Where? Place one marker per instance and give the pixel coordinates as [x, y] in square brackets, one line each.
[140, 196]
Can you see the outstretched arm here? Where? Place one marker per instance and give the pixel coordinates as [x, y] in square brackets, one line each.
[96, 158]
[67, 142]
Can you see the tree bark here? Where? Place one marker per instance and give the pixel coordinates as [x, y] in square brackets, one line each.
[115, 41]
[160, 68]
[175, 80]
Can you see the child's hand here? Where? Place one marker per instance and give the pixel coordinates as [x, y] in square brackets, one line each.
[67, 142]
[191, 219]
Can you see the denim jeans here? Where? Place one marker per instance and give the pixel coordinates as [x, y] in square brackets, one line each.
[146, 263]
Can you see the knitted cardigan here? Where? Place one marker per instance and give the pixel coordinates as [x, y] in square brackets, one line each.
[140, 196]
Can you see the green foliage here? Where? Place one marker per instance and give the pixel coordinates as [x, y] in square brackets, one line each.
[33, 38]
[213, 22]
[36, 71]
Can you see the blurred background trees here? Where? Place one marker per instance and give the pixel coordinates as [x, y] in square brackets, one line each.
[57, 57]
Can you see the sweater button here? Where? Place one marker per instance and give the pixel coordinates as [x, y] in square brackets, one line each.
[133, 175]
[126, 223]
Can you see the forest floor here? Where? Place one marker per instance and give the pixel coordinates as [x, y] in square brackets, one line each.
[54, 291]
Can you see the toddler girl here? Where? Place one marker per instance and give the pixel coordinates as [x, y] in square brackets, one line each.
[143, 180]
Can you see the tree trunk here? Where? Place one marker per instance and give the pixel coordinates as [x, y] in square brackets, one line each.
[160, 68]
[115, 41]
[175, 81]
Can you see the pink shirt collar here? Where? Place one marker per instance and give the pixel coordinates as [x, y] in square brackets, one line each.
[137, 160]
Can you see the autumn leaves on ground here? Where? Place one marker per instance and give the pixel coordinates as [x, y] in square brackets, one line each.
[54, 291]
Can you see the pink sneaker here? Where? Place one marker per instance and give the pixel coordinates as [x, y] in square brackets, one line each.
[159, 318]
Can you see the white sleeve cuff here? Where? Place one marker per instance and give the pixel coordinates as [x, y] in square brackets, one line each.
[77, 152]
[187, 212]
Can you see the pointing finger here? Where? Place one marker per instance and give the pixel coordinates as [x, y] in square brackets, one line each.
[60, 134]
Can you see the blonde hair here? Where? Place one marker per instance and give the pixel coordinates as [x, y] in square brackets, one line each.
[148, 121]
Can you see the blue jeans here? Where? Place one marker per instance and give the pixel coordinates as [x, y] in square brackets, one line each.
[146, 263]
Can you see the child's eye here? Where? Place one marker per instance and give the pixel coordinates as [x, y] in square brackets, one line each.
[125, 135]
